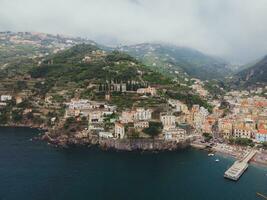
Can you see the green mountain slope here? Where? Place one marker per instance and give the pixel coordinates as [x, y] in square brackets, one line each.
[22, 46]
[89, 63]
[256, 74]
[172, 59]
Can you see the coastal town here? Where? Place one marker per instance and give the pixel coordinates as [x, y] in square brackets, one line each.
[235, 123]
[133, 100]
[120, 104]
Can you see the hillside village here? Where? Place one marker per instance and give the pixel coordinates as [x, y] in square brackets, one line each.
[133, 100]
[236, 116]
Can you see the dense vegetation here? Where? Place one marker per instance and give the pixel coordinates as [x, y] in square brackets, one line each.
[256, 74]
[241, 141]
[264, 145]
[207, 137]
[73, 55]
[67, 66]
[168, 58]
[154, 129]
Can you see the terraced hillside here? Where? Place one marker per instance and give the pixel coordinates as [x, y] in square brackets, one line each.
[170, 59]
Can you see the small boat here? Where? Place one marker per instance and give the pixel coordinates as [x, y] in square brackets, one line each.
[217, 160]
[211, 154]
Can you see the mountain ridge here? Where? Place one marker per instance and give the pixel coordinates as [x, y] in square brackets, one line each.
[182, 59]
[253, 75]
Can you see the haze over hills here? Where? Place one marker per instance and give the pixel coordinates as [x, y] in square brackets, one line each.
[132, 77]
[29, 44]
[23, 50]
[169, 58]
[253, 75]
[165, 58]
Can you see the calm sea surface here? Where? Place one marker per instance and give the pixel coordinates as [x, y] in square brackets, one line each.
[33, 170]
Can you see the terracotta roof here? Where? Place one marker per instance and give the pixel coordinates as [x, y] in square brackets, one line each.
[261, 103]
[261, 126]
[119, 124]
[262, 131]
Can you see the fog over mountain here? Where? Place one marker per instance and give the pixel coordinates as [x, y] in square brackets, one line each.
[232, 29]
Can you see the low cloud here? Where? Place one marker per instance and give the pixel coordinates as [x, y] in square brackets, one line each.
[233, 29]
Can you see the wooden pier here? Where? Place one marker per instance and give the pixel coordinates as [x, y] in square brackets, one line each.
[239, 166]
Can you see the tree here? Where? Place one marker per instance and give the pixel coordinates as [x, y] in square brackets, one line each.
[264, 145]
[17, 115]
[20, 85]
[29, 115]
[68, 122]
[3, 117]
[133, 134]
[207, 136]
[24, 104]
[154, 129]
[241, 141]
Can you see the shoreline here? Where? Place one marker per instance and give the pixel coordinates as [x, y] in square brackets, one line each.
[129, 145]
[141, 144]
[24, 126]
[256, 160]
[252, 162]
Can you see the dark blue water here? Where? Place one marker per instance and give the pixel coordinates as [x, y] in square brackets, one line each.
[32, 170]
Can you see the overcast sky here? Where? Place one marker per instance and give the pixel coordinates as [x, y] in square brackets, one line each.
[232, 29]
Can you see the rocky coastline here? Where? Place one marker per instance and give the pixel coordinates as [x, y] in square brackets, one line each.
[114, 144]
[28, 125]
[145, 144]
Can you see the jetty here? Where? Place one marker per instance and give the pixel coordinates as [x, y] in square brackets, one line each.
[239, 166]
[261, 195]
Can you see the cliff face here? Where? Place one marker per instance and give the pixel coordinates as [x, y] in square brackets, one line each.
[142, 144]
[123, 145]
[256, 74]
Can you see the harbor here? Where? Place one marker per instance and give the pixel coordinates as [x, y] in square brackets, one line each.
[239, 166]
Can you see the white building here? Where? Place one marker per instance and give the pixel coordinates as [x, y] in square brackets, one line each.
[174, 134]
[141, 124]
[149, 90]
[79, 104]
[243, 133]
[142, 114]
[95, 117]
[139, 114]
[199, 116]
[3, 104]
[168, 121]
[84, 104]
[6, 97]
[105, 135]
[86, 108]
[119, 130]
[244, 129]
